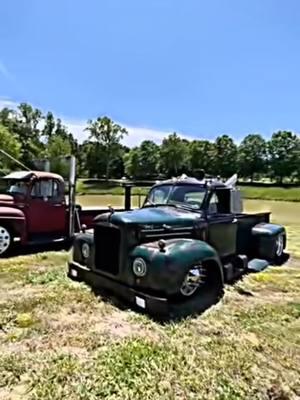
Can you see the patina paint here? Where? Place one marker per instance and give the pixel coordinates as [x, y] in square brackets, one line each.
[167, 268]
[156, 216]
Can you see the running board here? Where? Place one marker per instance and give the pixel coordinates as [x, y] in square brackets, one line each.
[257, 265]
[46, 240]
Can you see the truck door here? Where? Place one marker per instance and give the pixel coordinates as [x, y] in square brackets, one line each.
[222, 225]
[46, 211]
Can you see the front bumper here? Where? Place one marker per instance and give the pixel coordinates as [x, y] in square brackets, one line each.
[155, 306]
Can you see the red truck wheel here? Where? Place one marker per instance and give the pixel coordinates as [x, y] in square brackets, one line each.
[6, 239]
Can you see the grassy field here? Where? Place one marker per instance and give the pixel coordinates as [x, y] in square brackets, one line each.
[58, 341]
[249, 192]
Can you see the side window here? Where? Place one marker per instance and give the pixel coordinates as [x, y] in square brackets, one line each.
[213, 204]
[45, 189]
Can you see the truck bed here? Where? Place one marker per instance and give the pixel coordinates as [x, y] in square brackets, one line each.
[245, 224]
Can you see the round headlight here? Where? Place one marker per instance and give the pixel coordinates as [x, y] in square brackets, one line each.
[139, 267]
[85, 250]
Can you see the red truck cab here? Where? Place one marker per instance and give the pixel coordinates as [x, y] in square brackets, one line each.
[33, 208]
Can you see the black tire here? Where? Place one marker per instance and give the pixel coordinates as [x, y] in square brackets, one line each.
[203, 298]
[278, 249]
[6, 240]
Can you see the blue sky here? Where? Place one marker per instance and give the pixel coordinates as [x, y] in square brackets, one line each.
[201, 68]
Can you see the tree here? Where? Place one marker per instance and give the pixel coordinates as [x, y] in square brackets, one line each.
[108, 134]
[201, 156]
[174, 154]
[149, 158]
[284, 153]
[225, 156]
[142, 161]
[25, 124]
[132, 163]
[252, 156]
[49, 126]
[9, 143]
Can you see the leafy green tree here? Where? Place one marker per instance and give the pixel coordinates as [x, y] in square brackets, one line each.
[201, 156]
[142, 161]
[49, 126]
[9, 143]
[132, 163]
[252, 154]
[57, 149]
[25, 125]
[284, 153]
[108, 134]
[149, 158]
[174, 155]
[225, 156]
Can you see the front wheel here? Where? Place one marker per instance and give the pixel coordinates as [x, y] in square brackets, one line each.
[6, 240]
[201, 288]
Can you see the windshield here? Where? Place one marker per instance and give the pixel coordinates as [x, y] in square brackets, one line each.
[190, 196]
[15, 187]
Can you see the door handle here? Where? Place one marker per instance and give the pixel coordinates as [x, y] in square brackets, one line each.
[57, 205]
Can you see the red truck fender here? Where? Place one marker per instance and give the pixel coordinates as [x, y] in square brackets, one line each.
[15, 220]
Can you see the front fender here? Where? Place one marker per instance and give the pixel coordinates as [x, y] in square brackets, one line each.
[79, 239]
[166, 269]
[15, 219]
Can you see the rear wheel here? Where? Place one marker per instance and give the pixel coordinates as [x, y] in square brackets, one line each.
[279, 245]
[6, 240]
[202, 287]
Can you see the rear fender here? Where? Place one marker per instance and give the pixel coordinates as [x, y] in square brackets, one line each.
[167, 267]
[264, 235]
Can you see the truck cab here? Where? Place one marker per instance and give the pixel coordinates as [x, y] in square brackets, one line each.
[34, 209]
[32, 206]
[179, 248]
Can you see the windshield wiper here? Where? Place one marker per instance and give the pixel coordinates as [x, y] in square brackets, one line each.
[160, 204]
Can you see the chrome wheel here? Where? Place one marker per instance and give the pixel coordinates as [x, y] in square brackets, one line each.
[279, 245]
[5, 239]
[195, 278]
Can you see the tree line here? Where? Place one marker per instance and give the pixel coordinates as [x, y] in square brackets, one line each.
[29, 135]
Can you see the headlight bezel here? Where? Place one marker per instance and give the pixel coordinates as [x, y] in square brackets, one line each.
[139, 267]
[85, 250]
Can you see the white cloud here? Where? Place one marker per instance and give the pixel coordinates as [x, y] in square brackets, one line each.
[135, 135]
[7, 103]
[5, 72]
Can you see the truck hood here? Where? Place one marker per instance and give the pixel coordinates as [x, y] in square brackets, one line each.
[6, 199]
[155, 216]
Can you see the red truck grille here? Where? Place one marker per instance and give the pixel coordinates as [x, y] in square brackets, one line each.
[107, 248]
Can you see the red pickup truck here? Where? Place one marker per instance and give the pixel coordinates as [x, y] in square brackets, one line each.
[34, 210]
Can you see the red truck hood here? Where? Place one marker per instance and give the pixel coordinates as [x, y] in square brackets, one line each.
[6, 199]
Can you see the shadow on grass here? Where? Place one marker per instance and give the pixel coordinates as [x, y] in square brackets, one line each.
[177, 314]
[19, 250]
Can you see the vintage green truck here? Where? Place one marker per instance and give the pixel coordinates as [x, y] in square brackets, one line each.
[173, 255]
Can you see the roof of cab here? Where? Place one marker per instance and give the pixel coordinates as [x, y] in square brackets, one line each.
[186, 180]
[21, 175]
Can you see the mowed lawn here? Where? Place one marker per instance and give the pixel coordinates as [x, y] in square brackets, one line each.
[59, 341]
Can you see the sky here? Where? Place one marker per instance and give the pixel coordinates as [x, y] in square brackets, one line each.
[200, 68]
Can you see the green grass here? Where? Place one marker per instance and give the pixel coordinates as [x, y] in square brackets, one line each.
[271, 193]
[58, 341]
[249, 192]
